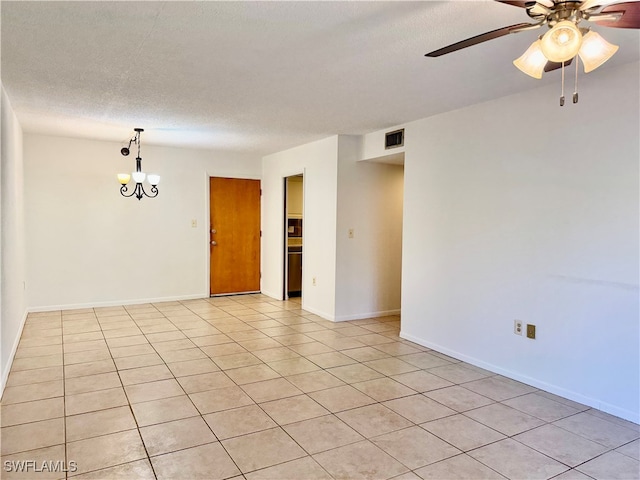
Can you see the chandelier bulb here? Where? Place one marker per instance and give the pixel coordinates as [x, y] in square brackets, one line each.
[124, 178]
[153, 179]
[138, 177]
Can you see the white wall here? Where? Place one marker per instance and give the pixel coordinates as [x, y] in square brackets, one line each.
[355, 278]
[519, 209]
[13, 304]
[88, 245]
[369, 265]
[318, 162]
[373, 145]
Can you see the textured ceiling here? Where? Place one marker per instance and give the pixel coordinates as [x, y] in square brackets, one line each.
[256, 76]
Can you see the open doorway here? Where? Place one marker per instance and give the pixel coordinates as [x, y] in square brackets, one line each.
[293, 244]
[369, 239]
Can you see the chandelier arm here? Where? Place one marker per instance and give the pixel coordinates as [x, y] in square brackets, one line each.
[140, 191]
[154, 191]
[124, 189]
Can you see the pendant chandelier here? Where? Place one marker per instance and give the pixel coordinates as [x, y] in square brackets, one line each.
[138, 176]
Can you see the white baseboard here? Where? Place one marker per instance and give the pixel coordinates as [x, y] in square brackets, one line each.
[324, 315]
[360, 316]
[534, 382]
[306, 308]
[275, 296]
[618, 412]
[117, 303]
[14, 348]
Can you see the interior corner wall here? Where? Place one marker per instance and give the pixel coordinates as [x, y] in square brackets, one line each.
[369, 265]
[88, 245]
[13, 299]
[318, 161]
[519, 209]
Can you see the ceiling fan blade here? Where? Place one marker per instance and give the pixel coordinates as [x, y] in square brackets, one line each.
[475, 40]
[551, 66]
[516, 3]
[539, 9]
[630, 17]
[594, 4]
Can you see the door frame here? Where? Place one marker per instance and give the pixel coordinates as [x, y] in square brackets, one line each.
[285, 262]
[205, 231]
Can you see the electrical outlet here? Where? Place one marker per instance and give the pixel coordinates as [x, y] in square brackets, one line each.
[351, 233]
[313, 281]
[531, 331]
[517, 327]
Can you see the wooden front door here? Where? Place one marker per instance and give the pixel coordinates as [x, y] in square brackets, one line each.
[234, 206]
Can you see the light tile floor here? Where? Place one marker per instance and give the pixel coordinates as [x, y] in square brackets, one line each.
[248, 387]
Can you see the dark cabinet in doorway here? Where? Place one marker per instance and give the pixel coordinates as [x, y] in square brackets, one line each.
[294, 288]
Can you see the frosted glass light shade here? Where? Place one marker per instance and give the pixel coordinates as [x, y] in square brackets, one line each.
[562, 42]
[124, 178]
[153, 179]
[595, 50]
[138, 177]
[532, 61]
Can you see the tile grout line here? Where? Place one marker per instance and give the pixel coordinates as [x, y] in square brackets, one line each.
[257, 405]
[64, 397]
[200, 414]
[330, 413]
[278, 426]
[135, 419]
[121, 386]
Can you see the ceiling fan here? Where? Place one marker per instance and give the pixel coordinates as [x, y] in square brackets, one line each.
[565, 39]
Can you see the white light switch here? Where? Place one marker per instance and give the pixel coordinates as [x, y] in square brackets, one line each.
[351, 233]
[194, 223]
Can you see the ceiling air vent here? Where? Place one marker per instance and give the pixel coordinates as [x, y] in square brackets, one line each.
[394, 139]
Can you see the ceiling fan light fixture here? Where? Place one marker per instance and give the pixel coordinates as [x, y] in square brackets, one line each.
[562, 42]
[532, 62]
[595, 50]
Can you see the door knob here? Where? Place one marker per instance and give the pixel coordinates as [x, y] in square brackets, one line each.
[214, 243]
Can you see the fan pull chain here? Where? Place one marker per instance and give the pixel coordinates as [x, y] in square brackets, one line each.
[575, 88]
[562, 92]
